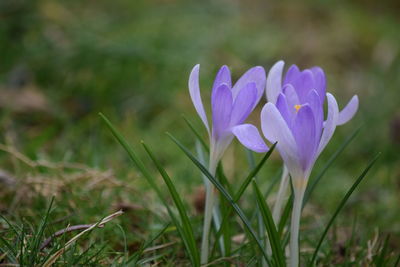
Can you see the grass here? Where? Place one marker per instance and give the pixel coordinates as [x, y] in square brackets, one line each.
[60, 166]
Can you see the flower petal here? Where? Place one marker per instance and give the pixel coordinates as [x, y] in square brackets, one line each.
[223, 76]
[256, 75]
[275, 129]
[274, 81]
[314, 100]
[349, 111]
[305, 135]
[249, 136]
[243, 104]
[330, 123]
[320, 82]
[303, 84]
[221, 105]
[194, 91]
[282, 106]
[291, 97]
[292, 74]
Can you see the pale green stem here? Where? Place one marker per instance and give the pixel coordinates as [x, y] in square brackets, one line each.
[276, 213]
[217, 225]
[262, 234]
[295, 225]
[209, 206]
[216, 210]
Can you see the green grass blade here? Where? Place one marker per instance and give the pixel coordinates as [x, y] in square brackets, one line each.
[11, 252]
[227, 196]
[380, 261]
[397, 261]
[253, 173]
[313, 183]
[132, 155]
[196, 133]
[285, 215]
[225, 241]
[35, 245]
[341, 205]
[277, 251]
[89, 259]
[136, 256]
[244, 186]
[186, 225]
[139, 164]
[12, 227]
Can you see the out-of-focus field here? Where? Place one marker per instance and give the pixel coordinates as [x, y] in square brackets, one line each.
[62, 62]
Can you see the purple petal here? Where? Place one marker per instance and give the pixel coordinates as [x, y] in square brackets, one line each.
[221, 104]
[256, 75]
[292, 74]
[330, 123]
[320, 82]
[304, 134]
[243, 104]
[275, 129]
[349, 111]
[303, 84]
[282, 106]
[249, 136]
[194, 91]
[274, 81]
[291, 97]
[223, 76]
[314, 100]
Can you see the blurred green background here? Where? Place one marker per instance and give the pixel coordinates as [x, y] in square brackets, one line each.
[62, 62]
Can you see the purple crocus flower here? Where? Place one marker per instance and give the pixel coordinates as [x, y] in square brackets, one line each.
[230, 106]
[294, 117]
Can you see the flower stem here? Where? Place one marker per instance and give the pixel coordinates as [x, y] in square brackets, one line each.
[208, 211]
[294, 228]
[276, 213]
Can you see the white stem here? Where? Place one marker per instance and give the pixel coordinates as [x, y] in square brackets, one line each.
[217, 224]
[294, 227]
[276, 213]
[209, 206]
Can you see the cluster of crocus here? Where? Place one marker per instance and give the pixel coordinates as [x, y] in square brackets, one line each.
[293, 117]
[230, 107]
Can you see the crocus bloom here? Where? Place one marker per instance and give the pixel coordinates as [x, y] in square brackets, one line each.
[230, 106]
[294, 117]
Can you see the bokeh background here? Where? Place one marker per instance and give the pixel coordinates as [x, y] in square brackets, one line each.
[62, 62]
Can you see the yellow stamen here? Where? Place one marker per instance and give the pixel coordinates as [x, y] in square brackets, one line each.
[297, 107]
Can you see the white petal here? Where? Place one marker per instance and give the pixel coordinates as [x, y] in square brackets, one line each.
[349, 111]
[275, 129]
[194, 91]
[274, 81]
[330, 123]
